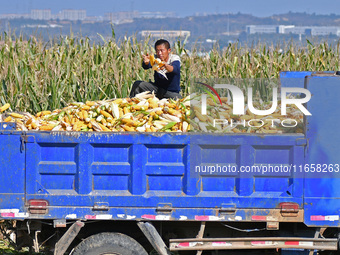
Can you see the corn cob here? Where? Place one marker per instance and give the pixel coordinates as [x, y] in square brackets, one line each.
[8, 119]
[106, 114]
[4, 107]
[47, 127]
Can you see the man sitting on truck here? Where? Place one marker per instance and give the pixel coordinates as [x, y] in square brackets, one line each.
[166, 68]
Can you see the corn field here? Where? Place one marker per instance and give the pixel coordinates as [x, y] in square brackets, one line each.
[37, 75]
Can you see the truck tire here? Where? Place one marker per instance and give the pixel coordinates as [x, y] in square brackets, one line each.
[109, 244]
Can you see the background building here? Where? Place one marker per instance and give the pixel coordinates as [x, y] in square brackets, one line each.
[41, 14]
[291, 29]
[74, 15]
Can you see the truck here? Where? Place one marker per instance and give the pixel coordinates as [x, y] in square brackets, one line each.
[134, 193]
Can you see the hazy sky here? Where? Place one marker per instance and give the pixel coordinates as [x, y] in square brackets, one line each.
[180, 7]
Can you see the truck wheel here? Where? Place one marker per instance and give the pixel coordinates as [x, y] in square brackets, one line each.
[109, 244]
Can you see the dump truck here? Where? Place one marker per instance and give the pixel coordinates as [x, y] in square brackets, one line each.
[151, 193]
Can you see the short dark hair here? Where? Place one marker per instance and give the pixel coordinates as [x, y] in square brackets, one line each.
[162, 41]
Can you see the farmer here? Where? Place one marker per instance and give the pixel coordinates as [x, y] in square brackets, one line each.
[166, 73]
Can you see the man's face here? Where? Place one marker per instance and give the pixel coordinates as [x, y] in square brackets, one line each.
[162, 52]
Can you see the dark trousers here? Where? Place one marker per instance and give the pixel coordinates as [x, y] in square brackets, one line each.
[141, 86]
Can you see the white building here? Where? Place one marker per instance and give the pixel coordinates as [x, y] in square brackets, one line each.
[15, 16]
[261, 29]
[291, 29]
[157, 15]
[121, 17]
[296, 30]
[73, 15]
[41, 14]
[322, 31]
[125, 17]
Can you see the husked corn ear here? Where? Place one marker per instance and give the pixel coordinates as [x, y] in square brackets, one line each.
[128, 128]
[8, 119]
[85, 114]
[118, 101]
[86, 107]
[139, 107]
[16, 115]
[130, 122]
[126, 110]
[201, 117]
[121, 113]
[34, 125]
[47, 127]
[4, 107]
[90, 103]
[106, 114]
[103, 127]
[152, 59]
[80, 114]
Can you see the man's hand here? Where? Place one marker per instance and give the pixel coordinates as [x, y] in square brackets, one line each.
[146, 59]
[169, 68]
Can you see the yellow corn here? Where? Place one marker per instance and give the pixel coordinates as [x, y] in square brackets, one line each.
[48, 127]
[152, 59]
[85, 114]
[29, 121]
[86, 107]
[90, 103]
[127, 128]
[76, 126]
[103, 121]
[34, 125]
[130, 122]
[8, 119]
[45, 112]
[139, 107]
[80, 114]
[121, 113]
[106, 114]
[236, 130]
[126, 110]
[66, 119]
[103, 127]
[73, 121]
[171, 105]
[200, 116]
[118, 101]
[4, 107]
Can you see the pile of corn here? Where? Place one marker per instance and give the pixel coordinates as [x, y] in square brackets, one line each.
[143, 113]
[146, 113]
[220, 119]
